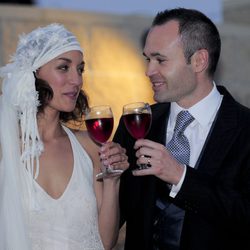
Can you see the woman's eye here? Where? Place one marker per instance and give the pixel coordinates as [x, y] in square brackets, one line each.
[63, 67]
[81, 70]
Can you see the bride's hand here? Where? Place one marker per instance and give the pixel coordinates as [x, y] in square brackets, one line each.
[114, 156]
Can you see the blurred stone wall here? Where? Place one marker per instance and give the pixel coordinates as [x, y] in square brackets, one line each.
[112, 44]
[112, 47]
[234, 66]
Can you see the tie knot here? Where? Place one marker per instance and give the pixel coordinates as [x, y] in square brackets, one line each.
[184, 118]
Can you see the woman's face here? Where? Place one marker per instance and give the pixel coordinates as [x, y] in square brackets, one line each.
[64, 76]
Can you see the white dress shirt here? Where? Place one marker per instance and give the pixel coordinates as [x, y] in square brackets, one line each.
[204, 113]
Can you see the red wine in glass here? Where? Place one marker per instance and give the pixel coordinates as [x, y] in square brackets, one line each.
[137, 118]
[99, 123]
[100, 129]
[137, 124]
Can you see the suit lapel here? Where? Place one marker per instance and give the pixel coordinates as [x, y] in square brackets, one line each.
[159, 122]
[223, 133]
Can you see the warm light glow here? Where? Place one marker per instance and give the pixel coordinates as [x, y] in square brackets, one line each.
[115, 71]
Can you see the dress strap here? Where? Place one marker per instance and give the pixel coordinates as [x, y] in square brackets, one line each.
[81, 156]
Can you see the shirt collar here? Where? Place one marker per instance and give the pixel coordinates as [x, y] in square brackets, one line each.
[210, 103]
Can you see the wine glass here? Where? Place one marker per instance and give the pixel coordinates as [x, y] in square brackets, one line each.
[137, 117]
[99, 123]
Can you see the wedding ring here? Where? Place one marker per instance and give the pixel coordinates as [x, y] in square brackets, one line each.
[148, 162]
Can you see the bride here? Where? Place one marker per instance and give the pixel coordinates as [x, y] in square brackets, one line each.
[49, 196]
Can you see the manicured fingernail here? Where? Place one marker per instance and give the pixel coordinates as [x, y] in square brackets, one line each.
[102, 156]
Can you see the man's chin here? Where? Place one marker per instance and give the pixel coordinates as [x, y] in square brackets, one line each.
[161, 99]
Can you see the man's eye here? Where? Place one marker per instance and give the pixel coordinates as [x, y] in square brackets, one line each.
[160, 61]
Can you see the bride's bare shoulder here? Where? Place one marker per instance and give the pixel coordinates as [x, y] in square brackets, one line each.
[86, 142]
[82, 136]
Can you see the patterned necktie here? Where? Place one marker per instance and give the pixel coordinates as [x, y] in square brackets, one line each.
[179, 145]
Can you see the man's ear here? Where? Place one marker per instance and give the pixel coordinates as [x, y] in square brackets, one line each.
[199, 60]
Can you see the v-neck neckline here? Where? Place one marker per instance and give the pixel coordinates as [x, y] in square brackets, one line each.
[70, 180]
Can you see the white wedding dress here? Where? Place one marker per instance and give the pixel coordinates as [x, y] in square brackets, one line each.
[69, 222]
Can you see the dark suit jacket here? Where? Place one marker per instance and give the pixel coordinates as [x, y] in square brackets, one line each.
[215, 196]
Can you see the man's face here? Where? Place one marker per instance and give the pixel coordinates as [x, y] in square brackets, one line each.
[173, 80]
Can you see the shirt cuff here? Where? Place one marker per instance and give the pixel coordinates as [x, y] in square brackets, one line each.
[175, 188]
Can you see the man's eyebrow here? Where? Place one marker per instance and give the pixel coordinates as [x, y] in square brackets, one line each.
[153, 54]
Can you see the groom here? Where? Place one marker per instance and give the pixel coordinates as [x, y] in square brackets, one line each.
[196, 194]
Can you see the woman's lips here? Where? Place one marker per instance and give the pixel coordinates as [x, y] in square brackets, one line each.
[71, 95]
